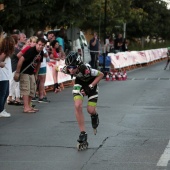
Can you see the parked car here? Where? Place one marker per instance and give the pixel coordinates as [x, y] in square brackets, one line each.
[77, 42]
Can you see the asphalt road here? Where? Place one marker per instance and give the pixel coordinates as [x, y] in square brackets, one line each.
[133, 134]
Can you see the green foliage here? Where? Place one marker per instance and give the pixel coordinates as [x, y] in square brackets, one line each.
[143, 18]
[133, 46]
[154, 21]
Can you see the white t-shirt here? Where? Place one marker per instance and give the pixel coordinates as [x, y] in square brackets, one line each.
[44, 63]
[6, 72]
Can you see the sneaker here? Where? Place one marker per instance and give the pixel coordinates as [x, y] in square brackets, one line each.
[34, 99]
[5, 114]
[43, 100]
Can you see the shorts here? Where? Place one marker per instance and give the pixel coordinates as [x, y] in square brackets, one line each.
[42, 71]
[27, 85]
[91, 93]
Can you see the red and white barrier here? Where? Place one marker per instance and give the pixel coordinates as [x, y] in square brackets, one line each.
[118, 60]
[61, 76]
[129, 58]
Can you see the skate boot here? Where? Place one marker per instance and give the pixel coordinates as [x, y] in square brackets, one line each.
[82, 141]
[95, 122]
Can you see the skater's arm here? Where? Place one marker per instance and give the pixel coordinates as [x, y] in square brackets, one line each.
[97, 79]
[62, 69]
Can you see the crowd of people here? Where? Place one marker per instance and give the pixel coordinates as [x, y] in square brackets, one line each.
[23, 69]
[27, 81]
[112, 45]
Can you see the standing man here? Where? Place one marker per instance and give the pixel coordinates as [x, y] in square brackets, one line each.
[29, 64]
[94, 50]
[42, 74]
[119, 43]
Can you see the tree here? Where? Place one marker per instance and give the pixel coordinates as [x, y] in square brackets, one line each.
[152, 18]
[143, 18]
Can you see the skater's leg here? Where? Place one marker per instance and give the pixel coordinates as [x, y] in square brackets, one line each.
[91, 109]
[94, 116]
[82, 137]
[79, 114]
[83, 144]
[167, 63]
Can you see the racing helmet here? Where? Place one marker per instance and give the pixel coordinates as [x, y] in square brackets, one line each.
[73, 59]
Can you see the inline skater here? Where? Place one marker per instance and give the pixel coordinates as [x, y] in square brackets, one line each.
[86, 80]
[168, 58]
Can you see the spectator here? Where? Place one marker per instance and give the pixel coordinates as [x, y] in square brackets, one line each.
[16, 31]
[33, 41]
[6, 49]
[125, 45]
[50, 36]
[119, 43]
[15, 86]
[57, 51]
[14, 90]
[22, 40]
[42, 74]
[60, 38]
[56, 55]
[94, 50]
[29, 65]
[28, 43]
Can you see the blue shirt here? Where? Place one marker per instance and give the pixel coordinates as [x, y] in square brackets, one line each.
[61, 42]
[96, 47]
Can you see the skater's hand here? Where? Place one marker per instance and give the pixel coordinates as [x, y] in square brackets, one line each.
[83, 92]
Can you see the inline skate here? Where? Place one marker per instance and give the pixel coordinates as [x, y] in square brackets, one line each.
[82, 141]
[95, 122]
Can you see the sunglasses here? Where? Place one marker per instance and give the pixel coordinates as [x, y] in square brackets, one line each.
[71, 67]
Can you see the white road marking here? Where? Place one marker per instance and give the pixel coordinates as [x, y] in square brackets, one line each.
[165, 157]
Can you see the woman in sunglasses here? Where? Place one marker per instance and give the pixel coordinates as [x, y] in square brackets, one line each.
[85, 84]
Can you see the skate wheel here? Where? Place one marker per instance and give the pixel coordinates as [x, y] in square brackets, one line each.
[95, 131]
[78, 146]
[85, 146]
[82, 146]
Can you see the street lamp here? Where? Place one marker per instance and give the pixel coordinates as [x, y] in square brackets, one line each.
[105, 23]
[105, 19]
[124, 30]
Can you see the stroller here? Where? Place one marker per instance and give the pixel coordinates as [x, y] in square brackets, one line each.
[104, 67]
